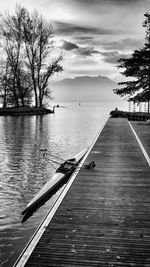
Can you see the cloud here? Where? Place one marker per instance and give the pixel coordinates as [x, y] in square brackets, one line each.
[78, 50]
[85, 38]
[63, 28]
[89, 51]
[117, 2]
[95, 34]
[113, 56]
[68, 45]
[86, 51]
[124, 2]
[124, 44]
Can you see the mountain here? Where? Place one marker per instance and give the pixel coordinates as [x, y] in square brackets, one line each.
[85, 88]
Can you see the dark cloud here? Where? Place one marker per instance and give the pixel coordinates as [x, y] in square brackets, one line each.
[113, 56]
[86, 51]
[63, 28]
[82, 51]
[69, 46]
[84, 38]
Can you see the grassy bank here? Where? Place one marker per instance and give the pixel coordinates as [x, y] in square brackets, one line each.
[134, 116]
[24, 111]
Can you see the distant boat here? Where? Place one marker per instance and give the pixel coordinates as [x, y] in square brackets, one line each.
[61, 176]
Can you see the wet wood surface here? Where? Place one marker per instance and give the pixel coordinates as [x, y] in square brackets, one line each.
[104, 220]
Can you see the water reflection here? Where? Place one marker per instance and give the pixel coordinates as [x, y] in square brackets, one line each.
[21, 162]
[22, 173]
[23, 170]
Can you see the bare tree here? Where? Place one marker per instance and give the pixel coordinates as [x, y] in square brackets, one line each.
[4, 81]
[11, 41]
[37, 37]
[26, 40]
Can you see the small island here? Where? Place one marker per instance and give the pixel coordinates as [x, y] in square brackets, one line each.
[13, 111]
[27, 63]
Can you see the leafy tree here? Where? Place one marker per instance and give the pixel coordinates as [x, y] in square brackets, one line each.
[137, 66]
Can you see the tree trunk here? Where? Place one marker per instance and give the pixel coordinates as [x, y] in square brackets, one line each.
[40, 100]
[22, 101]
[15, 94]
[5, 97]
[4, 101]
[35, 89]
[36, 97]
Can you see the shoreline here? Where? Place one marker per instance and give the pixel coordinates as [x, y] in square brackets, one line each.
[11, 111]
[131, 116]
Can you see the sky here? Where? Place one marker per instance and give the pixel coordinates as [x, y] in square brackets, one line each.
[91, 34]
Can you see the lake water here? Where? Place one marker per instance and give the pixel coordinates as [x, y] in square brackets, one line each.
[23, 170]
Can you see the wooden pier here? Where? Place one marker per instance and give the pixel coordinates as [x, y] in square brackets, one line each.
[104, 219]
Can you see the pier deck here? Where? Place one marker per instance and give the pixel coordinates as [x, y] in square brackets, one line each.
[104, 219]
[142, 129]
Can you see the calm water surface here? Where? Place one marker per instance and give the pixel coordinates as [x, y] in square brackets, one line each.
[23, 170]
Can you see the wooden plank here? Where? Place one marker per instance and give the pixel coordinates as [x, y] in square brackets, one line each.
[143, 131]
[141, 145]
[104, 219]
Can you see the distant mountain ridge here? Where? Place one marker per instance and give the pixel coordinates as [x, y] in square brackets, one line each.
[85, 88]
